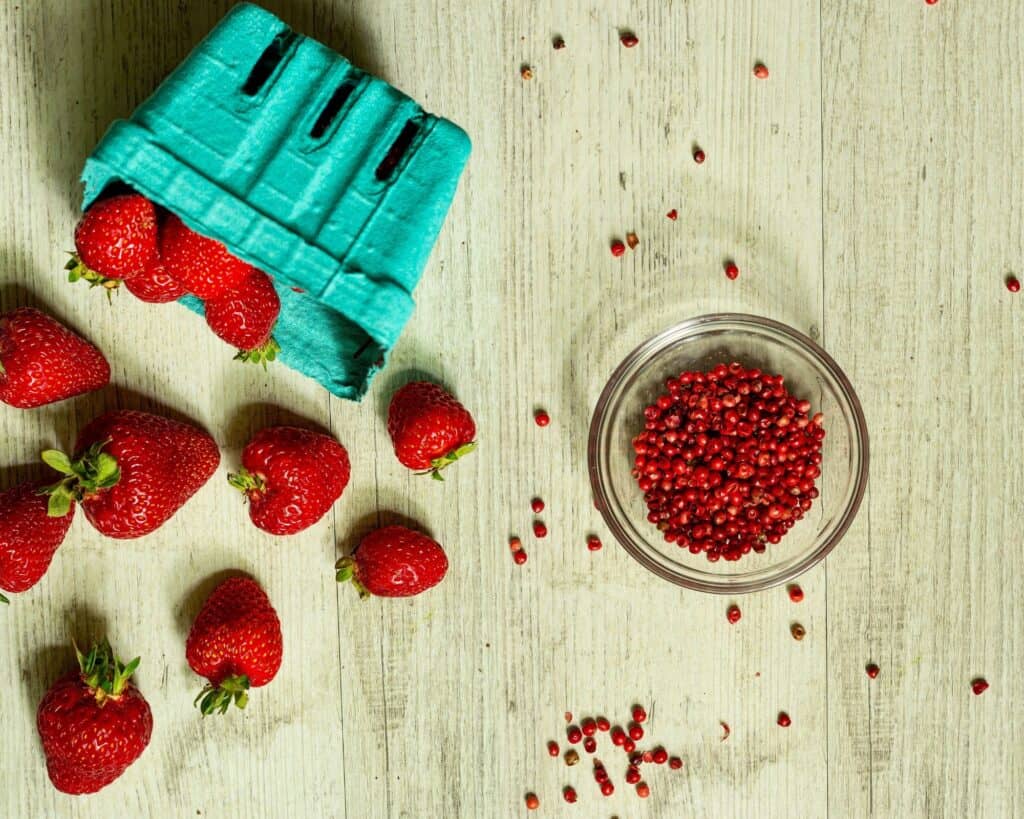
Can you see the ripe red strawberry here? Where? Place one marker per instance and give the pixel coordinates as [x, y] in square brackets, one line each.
[429, 428]
[154, 285]
[292, 477]
[115, 239]
[93, 722]
[29, 537]
[394, 562]
[246, 316]
[235, 643]
[134, 470]
[42, 361]
[202, 266]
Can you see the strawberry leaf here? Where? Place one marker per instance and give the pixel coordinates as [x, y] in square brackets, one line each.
[4, 600]
[55, 459]
[59, 503]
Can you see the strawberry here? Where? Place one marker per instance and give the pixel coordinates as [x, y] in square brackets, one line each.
[202, 266]
[42, 361]
[133, 471]
[153, 285]
[291, 476]
[245, 318]
[235, 642]
[115, 239]
[29, 537]
[93, 722]
[429, 428]
[394, 562]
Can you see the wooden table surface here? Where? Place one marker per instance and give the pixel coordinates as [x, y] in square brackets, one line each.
[871, 192]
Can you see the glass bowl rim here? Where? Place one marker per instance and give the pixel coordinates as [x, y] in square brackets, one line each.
[659, 341]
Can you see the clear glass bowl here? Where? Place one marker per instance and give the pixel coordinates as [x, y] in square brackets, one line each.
[700, 344]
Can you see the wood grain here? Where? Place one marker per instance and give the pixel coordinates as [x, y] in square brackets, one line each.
[870, 192]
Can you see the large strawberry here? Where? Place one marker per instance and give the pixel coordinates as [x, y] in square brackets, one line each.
[42, 361]
[93, 722]
[29, 536]
[115, 239]
[235, 643]
[429, 428]
[154, 285]
[394, 562]
[201, 265]
[244, 317]
[291, 476]
[134, 470]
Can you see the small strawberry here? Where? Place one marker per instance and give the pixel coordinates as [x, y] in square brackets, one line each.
[246, 316]
[133, 471]
[429, 428]
[154, 285]
[291, 476]
[93, 722]
[202, 266]
[235, 643]
[394, 562]
[29, 536]
[115, 239]
[42, 361]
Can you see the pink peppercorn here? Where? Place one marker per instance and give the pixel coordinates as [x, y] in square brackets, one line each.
[617, 248]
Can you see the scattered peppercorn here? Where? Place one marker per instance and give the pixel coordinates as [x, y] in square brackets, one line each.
[979, 686]
[872, 670]
[539, 529]
[673, 214]
[675, 763]
[569, 794]
[617, 248]
[636, 733]
[643, 790]
[660, 756]
[571, 757]
[732, 272]
[797, 631]
[589, 727]
[573, 734]
[618, 736]
[537, 505]
[607, 788]
[761, 71]
[590, 745]
[647, 756]
[553, 748]
[639, 714]
[558, 43]
[726, 730]
[526, 72]
[629, 39]
[515, 544]
[931, 2]
[568, 716]
[699, 156]
[519, 557]
[1013, 284]
[784, 719]
[796, 594]
[629, 746]
[632, 240]
[541, 418]
[733, 614]
[532, 802]
[632, 775]
[594, 543]
[603, 724]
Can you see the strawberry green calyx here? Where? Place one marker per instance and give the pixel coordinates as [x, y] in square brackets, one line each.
[246, 482]
[78, 270]
[218, 698]
[104, 674]
[347, 573]
[438, 464]
[263, 354]
[92, 471]
[4, 600]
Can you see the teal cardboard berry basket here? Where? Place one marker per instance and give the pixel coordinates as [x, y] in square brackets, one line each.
[328, 179]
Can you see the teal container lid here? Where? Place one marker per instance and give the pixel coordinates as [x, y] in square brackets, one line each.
[330, 180]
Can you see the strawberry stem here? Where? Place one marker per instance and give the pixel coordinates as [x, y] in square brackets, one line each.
[263, 354]
[78, 270]
[246, 482]
[104, 674]
[89, 473]
[347, 574]
[438, 464]
[218, 698]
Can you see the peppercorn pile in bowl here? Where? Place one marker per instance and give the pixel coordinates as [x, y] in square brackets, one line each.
[728, 454]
